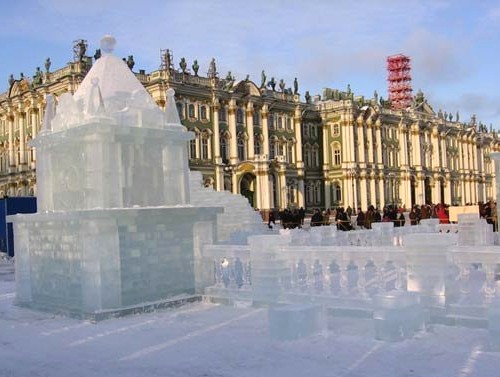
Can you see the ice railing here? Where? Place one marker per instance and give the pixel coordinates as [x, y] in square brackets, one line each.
[348, 269]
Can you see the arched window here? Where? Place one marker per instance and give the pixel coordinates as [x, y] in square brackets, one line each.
[336, 130]
[307, 155]
[305, 130]
[203, 113]
[272, 149]
[242, 153]
[280, 123]
[317, 192]
[257, 146]
[336, 154]
[256, 118]
[337, 189]
[205, 145]
[309, 193]
[315, 156]
[270, 121]
[191, 113]
[224, 148]
[222, 114]
[180, 109]
[289, 154]
[192, 149]
[239, 116]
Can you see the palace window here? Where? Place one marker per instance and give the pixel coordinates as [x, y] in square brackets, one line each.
[222, 114]
[289, 124]
[289, 154]
[257, 146]
[270, 121]
[315, 156]
[336, 130]
[224, 145]
[204, 148]
[314, 131]
[191, 113]
[180, 109]
[256, 118]
[338, 192]
[317, 192]
[280, 123]
[203, 113]
[305, 130]
[192, 149]
[241, 149]
[310, 193]
[336, 154]
[239, 116]
[307, 155]
[272, 149]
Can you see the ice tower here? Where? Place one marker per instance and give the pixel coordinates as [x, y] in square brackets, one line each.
[114, 229]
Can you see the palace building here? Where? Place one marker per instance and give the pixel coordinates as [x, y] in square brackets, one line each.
[262, 141]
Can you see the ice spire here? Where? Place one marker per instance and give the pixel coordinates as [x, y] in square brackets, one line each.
[172, 116]
[49, 114]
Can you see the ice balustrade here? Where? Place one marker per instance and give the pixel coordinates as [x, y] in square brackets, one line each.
[350, 268]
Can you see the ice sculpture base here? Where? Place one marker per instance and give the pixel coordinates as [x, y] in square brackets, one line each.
[88, 262]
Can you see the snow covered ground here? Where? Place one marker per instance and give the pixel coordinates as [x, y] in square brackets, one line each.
[207, 340]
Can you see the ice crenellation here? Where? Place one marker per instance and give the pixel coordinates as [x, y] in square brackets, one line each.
[110, 93]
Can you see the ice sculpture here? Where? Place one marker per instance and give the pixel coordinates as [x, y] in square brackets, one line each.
[114, 230]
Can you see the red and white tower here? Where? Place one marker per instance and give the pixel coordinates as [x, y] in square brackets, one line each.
[399, 78]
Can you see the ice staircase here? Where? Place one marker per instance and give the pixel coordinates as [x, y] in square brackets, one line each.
[237, 221]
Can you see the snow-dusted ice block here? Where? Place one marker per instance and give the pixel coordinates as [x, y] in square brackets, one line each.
[473, 230]
[296, 321]
[397, 315]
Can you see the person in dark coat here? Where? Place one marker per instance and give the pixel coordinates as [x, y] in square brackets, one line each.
[316, 219]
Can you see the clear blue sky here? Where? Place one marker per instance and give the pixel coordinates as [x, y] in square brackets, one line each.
[454, 45]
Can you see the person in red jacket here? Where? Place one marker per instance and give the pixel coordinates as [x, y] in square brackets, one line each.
[442, 214]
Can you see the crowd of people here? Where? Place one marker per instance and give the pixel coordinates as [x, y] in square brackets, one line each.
[349, 219]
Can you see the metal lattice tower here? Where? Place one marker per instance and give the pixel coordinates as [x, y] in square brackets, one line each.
[399, 79]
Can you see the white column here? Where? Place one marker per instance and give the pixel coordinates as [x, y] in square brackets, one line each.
[12, 155]
[381, 190]
[300, 193]
[250, 141]
[219, 172]
[297, 119]
[361, 145]
[364, 192]
[22, 141]
[233, 149]
[282, 189]
[378, 139]
[328, 193]
[373, 190]
[34, 132]
[234, 182]
[265, 130]
[369, 140]
[435, 149]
